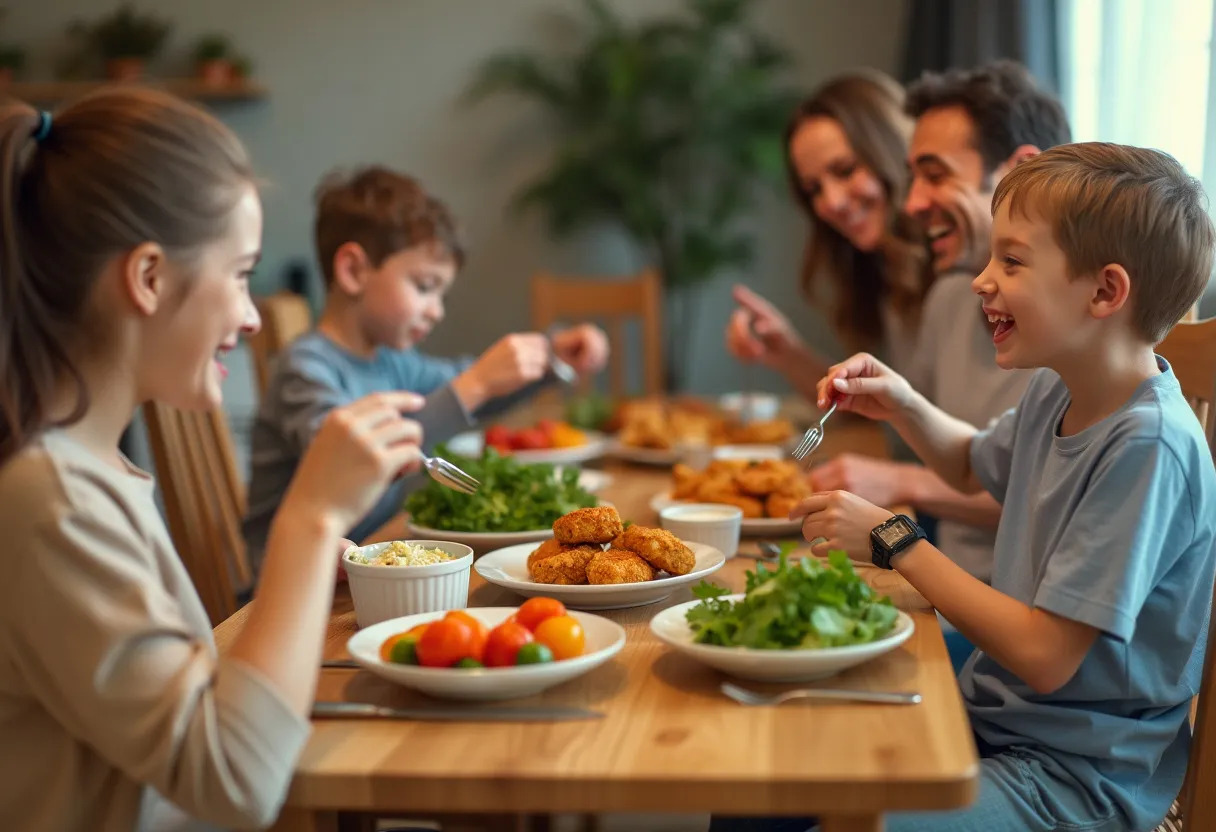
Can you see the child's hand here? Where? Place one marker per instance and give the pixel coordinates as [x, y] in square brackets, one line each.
[866, 386]
[757, 332]
[513, 362]
[359, 450]
[583, 347]
[875, 480]
[843, 519]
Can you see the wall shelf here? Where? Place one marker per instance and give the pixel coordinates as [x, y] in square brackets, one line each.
[51, 92]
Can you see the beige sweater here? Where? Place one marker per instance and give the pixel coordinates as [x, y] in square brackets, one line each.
[111, 691]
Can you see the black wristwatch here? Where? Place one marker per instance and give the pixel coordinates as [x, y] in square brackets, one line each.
[890, 538]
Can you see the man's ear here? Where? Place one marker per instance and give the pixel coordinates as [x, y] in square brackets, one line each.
[1019, 155]
[351, 267]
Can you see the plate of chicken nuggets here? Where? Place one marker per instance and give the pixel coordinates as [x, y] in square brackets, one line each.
[765, 489]
[595, 562]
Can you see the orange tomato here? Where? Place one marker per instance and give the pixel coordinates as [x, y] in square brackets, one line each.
[564, 436]
[479, 632]
[446, 642]
[418, 630]
[504, 642]
[563, 635]
[535, 610]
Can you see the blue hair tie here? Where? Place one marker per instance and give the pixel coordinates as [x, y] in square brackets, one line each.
[44, 126]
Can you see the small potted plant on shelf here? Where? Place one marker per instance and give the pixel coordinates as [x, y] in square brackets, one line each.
[213, 60]
[242, 67]
[125, 40]
[12, 59]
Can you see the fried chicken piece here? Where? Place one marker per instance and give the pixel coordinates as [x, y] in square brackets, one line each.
[659, 547]
[762, 478]
[772, 432]
[546, 550]
[618, 566]
[588, 525]
[725, 491]
[567, 567]
[789, 495]
[685, 481]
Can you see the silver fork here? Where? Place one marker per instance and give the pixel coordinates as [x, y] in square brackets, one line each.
[750, 697]
[564, 372]
[813, 436]
[445, 473]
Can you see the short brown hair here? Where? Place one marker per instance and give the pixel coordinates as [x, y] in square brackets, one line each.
[1109, 203]
[383, 211]
[1005, 105]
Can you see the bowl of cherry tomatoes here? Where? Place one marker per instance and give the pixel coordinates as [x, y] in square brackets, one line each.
[487, 653]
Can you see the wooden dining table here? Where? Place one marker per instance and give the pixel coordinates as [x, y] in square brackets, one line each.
[669, 740]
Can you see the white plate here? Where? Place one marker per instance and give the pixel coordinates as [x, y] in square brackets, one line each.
[604, 640]
[754, 526]
[470, 444]
[478, 541]
[508, 568]
[803, 665]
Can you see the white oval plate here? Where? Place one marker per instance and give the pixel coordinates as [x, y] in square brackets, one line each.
[752, 526]
[604, 640]
[802, 665]
[508, 567]
[470, 444]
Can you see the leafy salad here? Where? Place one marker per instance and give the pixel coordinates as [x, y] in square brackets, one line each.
[807, 604]
[513, 497]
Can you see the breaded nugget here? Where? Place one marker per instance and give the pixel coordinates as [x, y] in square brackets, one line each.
[762, 478]
[685, 481]
[752, 507]
[568, 567]
[660, 548]
[618, 566]
[789, 495]
[547, 549]
[588, 525]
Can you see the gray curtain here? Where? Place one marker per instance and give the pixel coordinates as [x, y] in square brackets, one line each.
[944, 34]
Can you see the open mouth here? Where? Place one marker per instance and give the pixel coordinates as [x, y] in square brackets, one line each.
[1001, 323]
[219, 359]
[939, 234]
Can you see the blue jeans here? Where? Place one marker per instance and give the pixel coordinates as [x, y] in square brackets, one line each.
[1018, 793]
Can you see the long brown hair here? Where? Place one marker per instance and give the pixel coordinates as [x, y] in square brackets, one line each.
[117, 168]
[868, 106]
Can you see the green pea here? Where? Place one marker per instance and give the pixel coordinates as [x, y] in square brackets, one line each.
[534, 653]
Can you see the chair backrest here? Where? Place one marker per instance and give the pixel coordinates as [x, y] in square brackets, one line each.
[285, 317]
[612, 301]
[1191, 350]
[204, 501]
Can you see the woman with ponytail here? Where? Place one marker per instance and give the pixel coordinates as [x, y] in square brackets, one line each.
[129, 225]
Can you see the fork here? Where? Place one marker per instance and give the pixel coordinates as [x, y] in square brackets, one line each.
[750, 697]
[562, 370]
[813, 436]
[447, 474]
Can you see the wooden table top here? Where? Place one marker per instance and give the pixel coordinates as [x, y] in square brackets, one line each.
[670, 741]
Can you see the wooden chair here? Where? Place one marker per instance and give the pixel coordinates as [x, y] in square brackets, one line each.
[1191, 350]
[204, 501]
[571, 299]
[285, 317]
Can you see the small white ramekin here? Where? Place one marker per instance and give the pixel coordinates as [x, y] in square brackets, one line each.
[384, 592]
[720, 531]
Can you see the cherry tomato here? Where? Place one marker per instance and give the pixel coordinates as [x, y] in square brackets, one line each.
[534, 653]
[469, 663]
[498, 435]
[563, 635]
[386, 647]
[530, 439]
[405, 651]
[418, 630]
[546, 426]
[445, 642]
[535, 610]
[504, 642]
[479, 632]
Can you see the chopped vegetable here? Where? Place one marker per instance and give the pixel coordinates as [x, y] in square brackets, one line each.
[808, 604]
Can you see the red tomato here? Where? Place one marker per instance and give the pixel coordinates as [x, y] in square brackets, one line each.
[480, 633]
[498, 435]
[546, 426]
[563, 635]
[535, 610]
[530, 439]
[504, 642]
[445, 642]
[417, 631]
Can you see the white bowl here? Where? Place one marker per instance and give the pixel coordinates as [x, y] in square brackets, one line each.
[751, 526]
[384, 592]
[751, 407]
[604, 639]
[508, 568]
[795, 665]
[749, 452]
[714, 524]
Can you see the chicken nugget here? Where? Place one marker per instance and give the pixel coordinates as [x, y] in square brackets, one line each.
[618, 566]
[762, 478]
[659, 547]
[567, 567]
[685, 481]
[588, 525]
[545, 550]
[779, 503]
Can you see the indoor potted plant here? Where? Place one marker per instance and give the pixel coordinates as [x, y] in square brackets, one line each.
[125, 40]
[213, 60]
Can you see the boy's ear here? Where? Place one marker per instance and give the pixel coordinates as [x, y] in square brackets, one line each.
[1112, 288]
[142, 270]
[351, 267]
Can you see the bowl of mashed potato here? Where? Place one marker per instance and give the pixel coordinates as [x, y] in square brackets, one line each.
[406, 577]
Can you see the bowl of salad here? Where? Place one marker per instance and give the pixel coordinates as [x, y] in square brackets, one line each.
[516, 503]
[407, 577]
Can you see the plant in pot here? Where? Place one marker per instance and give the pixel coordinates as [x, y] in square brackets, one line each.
[213, 60]
[125, 40]
[12, 59]
[665, 128]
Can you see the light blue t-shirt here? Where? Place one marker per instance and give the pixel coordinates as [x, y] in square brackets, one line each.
[311, 377]
[1114, 527]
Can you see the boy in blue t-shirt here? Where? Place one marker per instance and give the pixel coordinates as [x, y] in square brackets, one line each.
[1090, 639]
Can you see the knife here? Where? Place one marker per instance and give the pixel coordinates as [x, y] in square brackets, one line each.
[452, 713]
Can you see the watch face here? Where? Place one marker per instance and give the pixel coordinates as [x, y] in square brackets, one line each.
[895, 532]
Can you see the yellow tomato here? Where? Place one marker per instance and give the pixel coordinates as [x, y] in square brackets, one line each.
[564, 436]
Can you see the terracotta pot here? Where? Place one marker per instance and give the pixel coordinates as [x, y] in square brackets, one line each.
[215, 73]
[124, 69]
